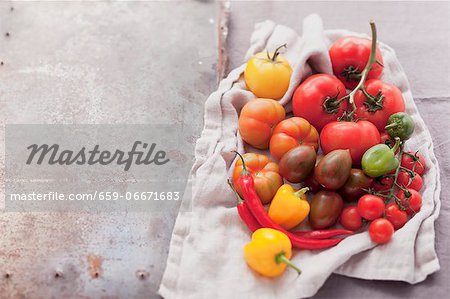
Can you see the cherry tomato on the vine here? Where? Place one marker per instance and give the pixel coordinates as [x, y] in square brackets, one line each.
[382, 184]
[381, 230]
[397, 217]
[405, 180]
[384, 100]
[414, 161]
[370, 207]
[350, 218]
[349, 56]
[317, 100]
[411, 200]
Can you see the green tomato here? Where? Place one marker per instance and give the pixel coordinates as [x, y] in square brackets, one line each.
[379, 159]
[400, 125]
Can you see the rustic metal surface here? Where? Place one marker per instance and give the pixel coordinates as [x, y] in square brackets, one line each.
[98, 62]
[419, 33]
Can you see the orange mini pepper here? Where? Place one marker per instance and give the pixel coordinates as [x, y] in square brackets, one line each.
[289, 207]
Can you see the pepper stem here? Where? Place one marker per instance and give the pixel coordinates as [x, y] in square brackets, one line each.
[281, 258]
[301, 192]
[244, 167]
[396, 145]
[238, 197]
[392, 125]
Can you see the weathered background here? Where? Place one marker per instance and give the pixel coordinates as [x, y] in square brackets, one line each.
[156, 62]
[98, 62]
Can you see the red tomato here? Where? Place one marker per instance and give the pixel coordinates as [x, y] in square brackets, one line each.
[370, 207]
[349, 56]
[315, 100]
[412, 201]
[355, 136]
[382, 184]
[414, 162]
[350, 218]
[386, 100]
[397, 217]
[384, 136]
[381, 231]
[406, 181]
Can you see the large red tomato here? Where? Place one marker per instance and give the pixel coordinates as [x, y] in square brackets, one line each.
[356, 136]
[290, 133]
[386, 100]
[316, 100]
[349, 56]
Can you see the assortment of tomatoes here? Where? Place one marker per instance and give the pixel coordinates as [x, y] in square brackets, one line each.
[345, 142]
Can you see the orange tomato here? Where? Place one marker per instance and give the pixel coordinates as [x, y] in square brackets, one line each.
[290, 133]
[265, 175]
[257, 120]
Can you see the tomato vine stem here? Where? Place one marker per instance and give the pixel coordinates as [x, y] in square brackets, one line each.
[364, 73]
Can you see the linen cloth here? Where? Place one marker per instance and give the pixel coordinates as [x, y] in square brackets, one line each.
[205, 255]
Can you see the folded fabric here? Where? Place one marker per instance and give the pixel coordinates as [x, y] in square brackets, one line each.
[205, 256]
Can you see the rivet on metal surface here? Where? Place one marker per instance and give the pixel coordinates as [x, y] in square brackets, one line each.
[141, 274]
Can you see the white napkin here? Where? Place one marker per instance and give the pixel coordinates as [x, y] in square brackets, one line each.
[206, 257]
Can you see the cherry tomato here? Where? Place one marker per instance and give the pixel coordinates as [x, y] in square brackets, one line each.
[257, 120]
[268, 75]
[350, 218]
[381, 231]
[354, 187]
[316, 100]
[291, 133]
[370, 207]
[414, 162]
[385, 137]
[382, 184]
[334, 169]
[412, 200]
[311, 182]
[326, 206]
[358, 137]
[349, 56]
[297, 164]
[397, 217]
[265, 174]
[386, 100]
[406, 181]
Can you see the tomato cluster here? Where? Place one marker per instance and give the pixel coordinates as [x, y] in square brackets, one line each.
[360, 173]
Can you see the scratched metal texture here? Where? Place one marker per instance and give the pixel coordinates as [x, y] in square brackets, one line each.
[88, 63]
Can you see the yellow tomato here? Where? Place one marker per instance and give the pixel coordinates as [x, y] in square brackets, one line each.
[268, 75]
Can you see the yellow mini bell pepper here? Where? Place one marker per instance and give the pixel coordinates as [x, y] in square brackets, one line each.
[289, 207]
[268, 252]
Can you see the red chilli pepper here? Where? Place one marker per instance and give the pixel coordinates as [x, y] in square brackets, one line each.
[322, 233]
[243, 211]
[257, 209]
